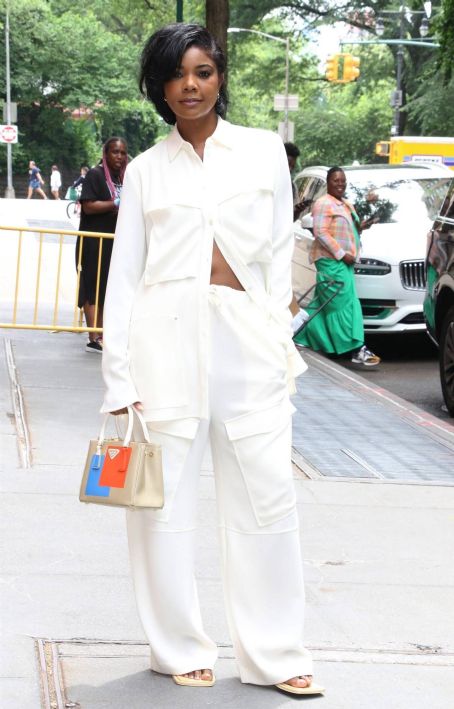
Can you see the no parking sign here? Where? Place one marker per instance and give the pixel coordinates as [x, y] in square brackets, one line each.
[8, 134]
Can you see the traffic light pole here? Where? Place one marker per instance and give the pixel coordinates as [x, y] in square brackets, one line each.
[395, 128]
[9, 192]
[412, 42]
[287, 48]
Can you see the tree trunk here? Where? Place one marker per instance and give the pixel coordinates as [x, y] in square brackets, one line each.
[217, 21]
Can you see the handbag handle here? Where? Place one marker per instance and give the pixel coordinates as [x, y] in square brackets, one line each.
[127, 438]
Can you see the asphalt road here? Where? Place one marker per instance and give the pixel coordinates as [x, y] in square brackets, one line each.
[409, 369]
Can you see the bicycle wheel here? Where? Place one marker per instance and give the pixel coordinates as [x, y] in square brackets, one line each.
[72, 210]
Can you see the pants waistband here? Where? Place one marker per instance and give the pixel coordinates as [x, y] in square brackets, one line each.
[223, 294]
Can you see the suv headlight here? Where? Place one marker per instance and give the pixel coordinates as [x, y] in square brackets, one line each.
[372, 267]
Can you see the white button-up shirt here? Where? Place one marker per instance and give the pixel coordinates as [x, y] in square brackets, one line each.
[173, 207]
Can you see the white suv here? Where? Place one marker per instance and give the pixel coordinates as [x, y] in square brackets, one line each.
[402, 201]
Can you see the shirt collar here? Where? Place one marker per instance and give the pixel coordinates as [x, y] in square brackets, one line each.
[223, 135]
[342, 200]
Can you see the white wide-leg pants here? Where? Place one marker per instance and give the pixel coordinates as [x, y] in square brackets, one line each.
[249, 429]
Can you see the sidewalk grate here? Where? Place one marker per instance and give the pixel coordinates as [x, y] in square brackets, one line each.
[343, 435]
[84, 673]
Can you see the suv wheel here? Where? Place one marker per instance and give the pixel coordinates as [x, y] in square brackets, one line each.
[447, 359]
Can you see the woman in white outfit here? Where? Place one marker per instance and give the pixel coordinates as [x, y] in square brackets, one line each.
[55, 182]
[197, 335]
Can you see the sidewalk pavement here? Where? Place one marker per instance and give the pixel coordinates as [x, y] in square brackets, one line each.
[375, 486]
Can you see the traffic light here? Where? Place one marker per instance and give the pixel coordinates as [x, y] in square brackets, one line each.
[351, 68]
[332, 68]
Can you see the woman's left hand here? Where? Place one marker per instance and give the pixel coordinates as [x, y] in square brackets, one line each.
[137, 405]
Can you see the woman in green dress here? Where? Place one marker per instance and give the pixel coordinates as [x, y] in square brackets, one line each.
[338, 327]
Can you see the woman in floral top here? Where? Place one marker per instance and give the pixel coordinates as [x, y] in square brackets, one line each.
[338, 327]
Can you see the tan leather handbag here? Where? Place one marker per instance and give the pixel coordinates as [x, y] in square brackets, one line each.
[124, 473]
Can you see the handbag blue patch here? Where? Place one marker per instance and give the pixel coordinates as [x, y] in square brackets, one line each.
[93, 487]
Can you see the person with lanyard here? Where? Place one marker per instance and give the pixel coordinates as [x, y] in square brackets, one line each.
[100, 199]
[338, 327]
[197, 335]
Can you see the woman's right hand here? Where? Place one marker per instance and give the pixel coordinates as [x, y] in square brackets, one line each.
[137, 405]
[348, 259]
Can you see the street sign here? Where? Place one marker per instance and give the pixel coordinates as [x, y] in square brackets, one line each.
[8, 134]
[287, 136]
[13, 111]
[396, 99]
[279, 102]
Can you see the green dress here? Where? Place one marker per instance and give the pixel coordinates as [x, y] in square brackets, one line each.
[338, 327]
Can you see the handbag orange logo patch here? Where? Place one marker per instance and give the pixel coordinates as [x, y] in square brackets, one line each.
[115, 466]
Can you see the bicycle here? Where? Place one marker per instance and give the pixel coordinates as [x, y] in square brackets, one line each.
[73, 209]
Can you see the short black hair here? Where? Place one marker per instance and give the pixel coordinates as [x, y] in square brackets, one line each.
[162, 55]
[332, 170]
[292, 150]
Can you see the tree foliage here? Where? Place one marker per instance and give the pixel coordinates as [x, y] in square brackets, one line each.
[420, 64]
[71, 59]
[74, 77]
[446, 33]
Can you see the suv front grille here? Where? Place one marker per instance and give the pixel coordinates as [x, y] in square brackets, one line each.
[413, 275]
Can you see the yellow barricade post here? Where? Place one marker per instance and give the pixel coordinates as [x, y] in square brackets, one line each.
[36, 278]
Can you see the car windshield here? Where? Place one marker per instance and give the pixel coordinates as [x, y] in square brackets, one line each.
[397, 199]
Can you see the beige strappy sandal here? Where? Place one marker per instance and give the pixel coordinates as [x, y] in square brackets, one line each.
[309, 689]
[192, 682]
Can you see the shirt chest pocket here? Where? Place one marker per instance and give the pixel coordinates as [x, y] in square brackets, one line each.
[247, 212]
[174, 243]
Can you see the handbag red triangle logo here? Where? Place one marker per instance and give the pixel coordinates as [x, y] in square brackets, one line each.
[115, 466]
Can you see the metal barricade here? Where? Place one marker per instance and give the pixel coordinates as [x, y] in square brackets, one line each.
[39, 286]
[315, 305]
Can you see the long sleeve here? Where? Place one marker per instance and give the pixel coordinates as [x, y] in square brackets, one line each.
[281, 267]
[283, 245]
[126, 270]
[323, 217]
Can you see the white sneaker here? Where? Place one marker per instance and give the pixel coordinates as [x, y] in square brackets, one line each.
[365, 357]
[299, 319]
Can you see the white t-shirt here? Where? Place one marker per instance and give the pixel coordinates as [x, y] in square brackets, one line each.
[55, 180]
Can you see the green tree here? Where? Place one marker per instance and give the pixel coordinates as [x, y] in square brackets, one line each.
[346, 121]
[257, 73]
[64, 60]
[446, 33]
[419, 63]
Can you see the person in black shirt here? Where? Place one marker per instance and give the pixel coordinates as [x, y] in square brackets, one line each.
[100, 199]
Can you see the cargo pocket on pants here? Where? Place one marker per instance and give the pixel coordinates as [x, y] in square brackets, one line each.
[261, 440]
